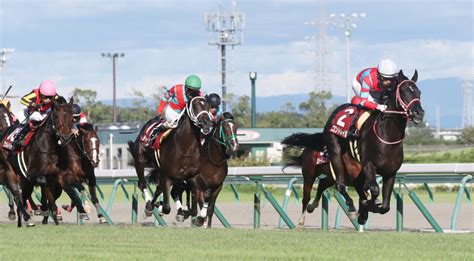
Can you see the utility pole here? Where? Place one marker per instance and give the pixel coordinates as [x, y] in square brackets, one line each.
[347, 23]
[4, 60]
[114, 57]
[321, 79]
[228, 28]
[253, 78]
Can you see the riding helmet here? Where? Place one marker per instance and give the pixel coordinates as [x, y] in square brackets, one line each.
[193, 82]
[213, 99]
[47, 88]
[387, 68]
[76, 110]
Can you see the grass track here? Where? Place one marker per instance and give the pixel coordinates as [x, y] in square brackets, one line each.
[94, 242]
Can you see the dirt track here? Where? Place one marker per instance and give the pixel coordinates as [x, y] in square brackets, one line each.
[241, 216]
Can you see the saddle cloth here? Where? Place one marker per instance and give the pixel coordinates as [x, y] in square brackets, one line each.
[160, 138]
[321, 157]
[8, 141]
[343, 119]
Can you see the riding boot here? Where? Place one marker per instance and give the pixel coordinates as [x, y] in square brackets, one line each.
[18, 142]
[154, 134]
[352, 129]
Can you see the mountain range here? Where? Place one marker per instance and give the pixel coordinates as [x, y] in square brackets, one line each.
[447, 93]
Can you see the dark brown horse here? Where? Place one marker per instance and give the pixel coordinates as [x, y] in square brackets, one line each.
[178, 158]
[379, 144]
[213, 171]
[38, 163]
[81, 156]
[10, 180]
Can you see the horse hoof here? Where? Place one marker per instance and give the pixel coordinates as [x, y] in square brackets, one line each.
[45, 221]
[200, 221]
[44, 213]
[180, 218]
[300, 227]
[147, 213]
[29, 223]
[37, 212]
[353, 215]
[59, 217]
[102, 220]
[310, 208]
[83, 216]
[361, 229]
[11, 216]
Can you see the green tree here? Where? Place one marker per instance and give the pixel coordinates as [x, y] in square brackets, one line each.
[285, 117]
[467, 135]
[314, 110]
[240, 109]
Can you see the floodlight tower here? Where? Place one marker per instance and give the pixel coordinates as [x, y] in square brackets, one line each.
[228, 28]
[114, 57]
[347, 23]
[467, 111]
[4, 60]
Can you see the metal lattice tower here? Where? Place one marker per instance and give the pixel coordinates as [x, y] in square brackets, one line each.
[228, 28]
[4, 60]
[467, 115]
[321, 79]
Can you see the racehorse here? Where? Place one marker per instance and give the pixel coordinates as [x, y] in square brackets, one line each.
[214, 154]
[38, 163]
[9, 179]
[379, 145]
[6, 118]
[81, 156]
[178, 157]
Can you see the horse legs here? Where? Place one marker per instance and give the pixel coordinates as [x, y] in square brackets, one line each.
[11, 204]
[20, 208]
[370, 184]
[335, 153]
[164, 185]
[67, 182]
[387, 189]
[212, 204]
[138, 151]
[49, 200]
[177, 196]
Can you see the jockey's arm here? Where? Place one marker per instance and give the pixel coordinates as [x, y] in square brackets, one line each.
[29, 100]
[164, 100]
[365, 96]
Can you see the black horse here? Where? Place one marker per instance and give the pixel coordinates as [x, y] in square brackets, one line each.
[178, 158]
[379, 145]
[38, 163]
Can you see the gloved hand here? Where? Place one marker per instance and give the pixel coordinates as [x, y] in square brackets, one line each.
[382, 107]
[36, 107]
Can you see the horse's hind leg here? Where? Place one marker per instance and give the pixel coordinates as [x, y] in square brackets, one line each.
[177, 196]
[212, 204]
[11, 204]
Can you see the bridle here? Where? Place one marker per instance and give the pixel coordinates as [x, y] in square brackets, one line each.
[64, 138]
[195, 118]
[222, 139]
[405, 112]
[82, 148]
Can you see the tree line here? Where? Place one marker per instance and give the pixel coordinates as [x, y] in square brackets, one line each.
[312, 113]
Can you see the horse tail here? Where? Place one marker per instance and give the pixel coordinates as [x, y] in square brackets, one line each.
[293, 161]
[312, 141]
[131, 146]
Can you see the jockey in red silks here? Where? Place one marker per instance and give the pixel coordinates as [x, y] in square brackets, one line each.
[214, 101]
[369, 84]
[38, 104]
[174, 101]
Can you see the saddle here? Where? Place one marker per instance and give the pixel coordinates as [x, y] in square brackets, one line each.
[345, 117]
[152, 135]
[10, 138]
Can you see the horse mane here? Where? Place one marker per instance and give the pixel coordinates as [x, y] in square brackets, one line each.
[228, 116]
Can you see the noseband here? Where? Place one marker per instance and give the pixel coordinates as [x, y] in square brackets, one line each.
[404, 112]
[195, 118]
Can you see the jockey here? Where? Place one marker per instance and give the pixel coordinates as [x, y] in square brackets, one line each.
[7, 105]
[214, 101]
[38, 104]
[369, 84]
[174, 101]
[78, 118]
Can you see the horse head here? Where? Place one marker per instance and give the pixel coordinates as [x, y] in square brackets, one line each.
[198, 112]
[5, 117]
[228, 133]
[61, 118]
[404, 98]
[90, 143]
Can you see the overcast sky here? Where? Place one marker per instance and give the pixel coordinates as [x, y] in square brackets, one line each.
[164, 41]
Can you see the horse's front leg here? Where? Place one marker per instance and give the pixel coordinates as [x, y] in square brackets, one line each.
[370, 185]
[67, 180]
[165, 184]
[387, 189]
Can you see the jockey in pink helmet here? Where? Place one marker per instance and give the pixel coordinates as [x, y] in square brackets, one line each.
[38, 103]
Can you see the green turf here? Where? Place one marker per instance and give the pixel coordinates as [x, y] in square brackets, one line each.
[94, 242]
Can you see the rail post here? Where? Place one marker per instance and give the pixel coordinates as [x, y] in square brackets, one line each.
[325, 211]
[221, 217]
[457, 205]
[287, 197]
[256, 203]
